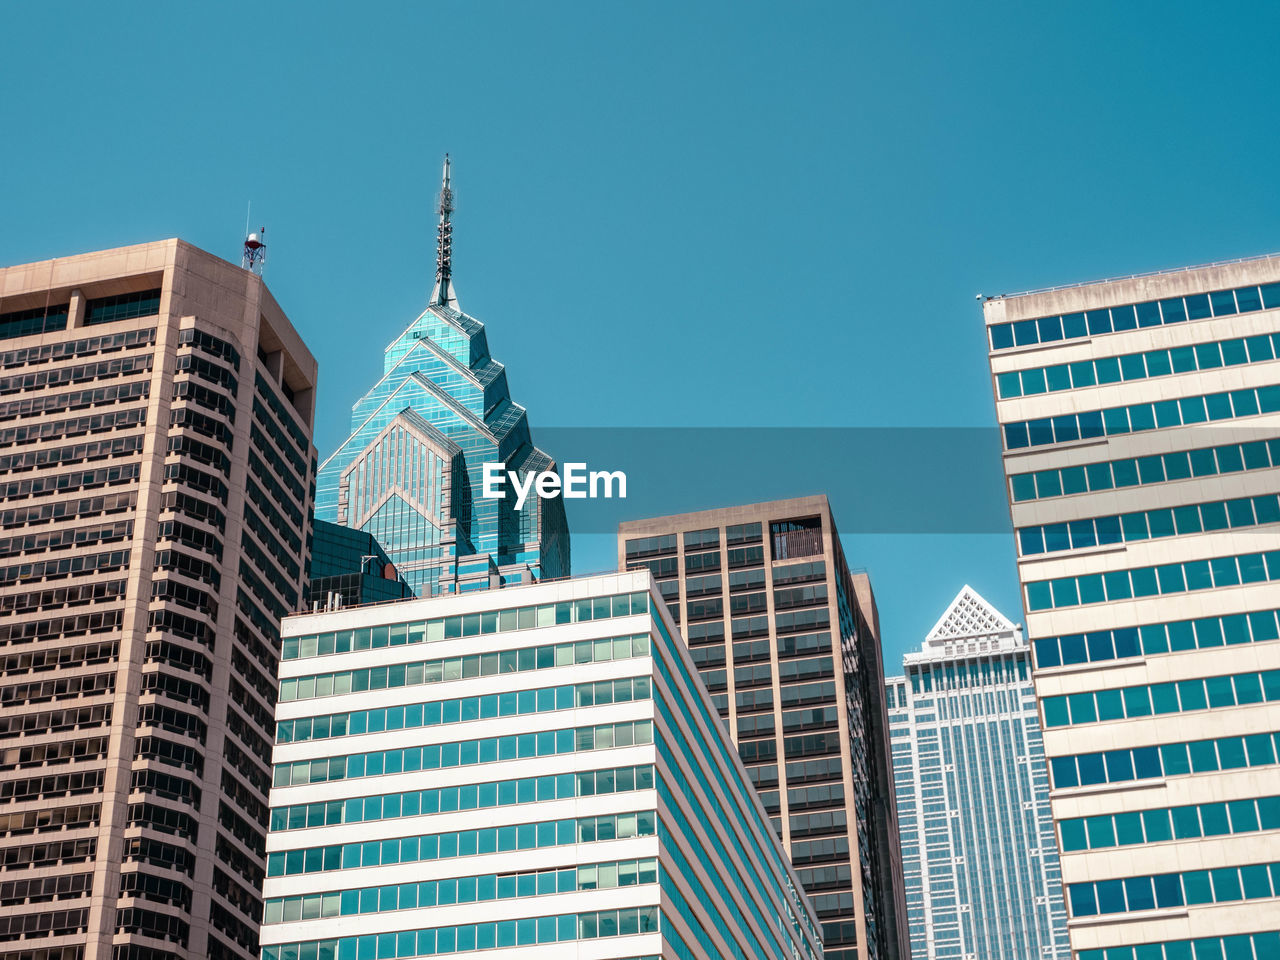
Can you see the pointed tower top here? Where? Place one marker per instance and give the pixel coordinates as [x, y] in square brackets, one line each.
[969, 617]
[442, 295]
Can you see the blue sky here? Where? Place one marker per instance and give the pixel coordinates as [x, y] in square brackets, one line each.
[703, 215]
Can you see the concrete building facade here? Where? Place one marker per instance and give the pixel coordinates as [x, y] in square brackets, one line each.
[1141, 432]
[533, 773]
[979, 857]
[787, 642]
[156, 476]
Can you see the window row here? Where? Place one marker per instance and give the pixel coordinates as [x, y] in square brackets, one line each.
[648, 546]
[471, 796]
[1166, 760]
[1129, 316]
[1158, 699]
[1153, 581]
[45, 352]
[73, 453]
[1137, 366]
[124, 306]
[25, 323]
[462, 843]
[469, 625]
[545, 743]
[1244, 946]
[458, 668]
[478, 889]
[1140, 471]
[73, 427]
[1141, 417]
[437, 712]
[59, 376]
[1156, 638]
[1170, 823]
[1150, 524]
[475, 936]
[702, 539]
[1194, 887]
[46, 403]
[966, 674]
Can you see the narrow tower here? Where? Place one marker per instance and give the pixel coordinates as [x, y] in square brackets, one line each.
[442, 295]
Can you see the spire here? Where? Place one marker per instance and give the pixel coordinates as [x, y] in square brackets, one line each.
[442, 295]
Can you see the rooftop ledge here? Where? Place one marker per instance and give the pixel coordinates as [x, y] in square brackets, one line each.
[1135, 276]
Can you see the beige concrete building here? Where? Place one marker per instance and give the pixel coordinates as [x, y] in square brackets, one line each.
[1141, 430]
[156, 475]
[787, 641]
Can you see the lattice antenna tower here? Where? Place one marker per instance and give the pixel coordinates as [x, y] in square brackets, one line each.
[254, 257]
[442, 295]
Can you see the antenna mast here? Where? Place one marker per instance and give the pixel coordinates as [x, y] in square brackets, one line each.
[443, 295]
[255, 252]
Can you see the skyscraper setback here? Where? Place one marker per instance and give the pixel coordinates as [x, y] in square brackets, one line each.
[767, 585]
[1141, 428]
[411, 472]
[978, 851]
[157, 478]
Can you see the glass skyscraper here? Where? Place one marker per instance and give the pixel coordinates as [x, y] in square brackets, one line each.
[411, 471]
[1141, 429]
[978, 853]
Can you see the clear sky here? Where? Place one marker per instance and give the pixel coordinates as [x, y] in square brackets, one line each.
[669, 214]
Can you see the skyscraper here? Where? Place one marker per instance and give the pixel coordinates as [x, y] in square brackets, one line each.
[533, 773]
[978, 851]
[411, 472]
[1141, 428]
[768, 585]
[157, 470]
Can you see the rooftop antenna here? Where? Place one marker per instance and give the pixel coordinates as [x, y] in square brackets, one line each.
[255, 251]
[442, 295]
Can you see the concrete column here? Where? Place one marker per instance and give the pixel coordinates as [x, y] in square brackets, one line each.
[75, 314]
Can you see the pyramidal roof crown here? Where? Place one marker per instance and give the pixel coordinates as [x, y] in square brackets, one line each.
[969, 617]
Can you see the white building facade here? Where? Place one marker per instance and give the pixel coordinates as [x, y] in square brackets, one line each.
[536, 772]
[1141, 433]
[978, 851]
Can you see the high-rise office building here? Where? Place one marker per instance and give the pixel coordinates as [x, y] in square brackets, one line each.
[156, 409]
[1141, 432]
[978, 852]
[412, 471]
[766, 588]
[533, 773]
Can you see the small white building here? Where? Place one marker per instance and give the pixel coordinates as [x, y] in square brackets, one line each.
[536, 772]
